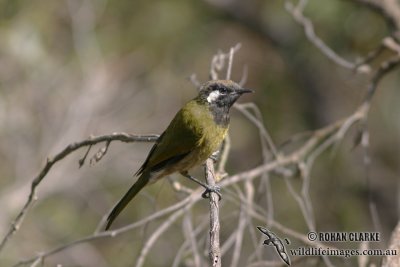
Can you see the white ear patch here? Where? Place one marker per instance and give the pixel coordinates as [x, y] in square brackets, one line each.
[213, 96]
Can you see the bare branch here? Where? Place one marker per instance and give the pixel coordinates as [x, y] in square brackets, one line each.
[122, 137]
[215, 251]
[218, 62]
[230, 62]
[223, 158]
[302, 159]
[293, 158]
[257, 120]
[384, 68]
[188, 201]
[190, 235]
[199, 228]
[284, 160]
[239, 237]
[297, 14]
[156, 234]
[101, 153]
[193, 79]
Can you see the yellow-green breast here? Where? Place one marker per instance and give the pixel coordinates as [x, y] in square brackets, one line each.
[189, 140]
[210, 135]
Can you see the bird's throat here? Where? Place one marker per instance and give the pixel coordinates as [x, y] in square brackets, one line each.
[220, 115]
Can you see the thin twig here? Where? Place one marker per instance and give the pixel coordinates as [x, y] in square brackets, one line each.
[383, 69]
[297, 14]
[190, 200]
[101, 153]
[193, 79]
[300, 201]
[190, 235]
[223, 158]
[244, 219]
[284, 160]
[215, 251]
[305, 194]
[239, 237]
[199, 228]
[157, 233]
[218, 62]
[122, 137]
[230, 62]
[257, 120]
[83, 159]
[258, 213]
[317, 142]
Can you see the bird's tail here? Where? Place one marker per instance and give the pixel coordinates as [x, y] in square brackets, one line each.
[136, 187]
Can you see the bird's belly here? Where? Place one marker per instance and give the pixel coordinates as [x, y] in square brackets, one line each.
[207, 145]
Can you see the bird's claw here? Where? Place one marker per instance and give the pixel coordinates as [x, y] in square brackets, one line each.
[214, 189]
[214, 156]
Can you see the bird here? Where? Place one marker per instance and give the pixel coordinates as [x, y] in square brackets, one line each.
[193, 135]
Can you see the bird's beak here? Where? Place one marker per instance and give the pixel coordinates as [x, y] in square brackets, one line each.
[243, 91]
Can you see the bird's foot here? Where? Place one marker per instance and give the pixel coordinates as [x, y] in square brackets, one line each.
[209, 189]
[214, 156]
[212, 189]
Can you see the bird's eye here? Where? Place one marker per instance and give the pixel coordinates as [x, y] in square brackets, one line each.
[215, 87]
[223, 90]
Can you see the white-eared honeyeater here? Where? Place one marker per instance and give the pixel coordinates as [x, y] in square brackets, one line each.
[196, 131]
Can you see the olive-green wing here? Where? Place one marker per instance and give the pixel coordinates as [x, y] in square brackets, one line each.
[178, 140]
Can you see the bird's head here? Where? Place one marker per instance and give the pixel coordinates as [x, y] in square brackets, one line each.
[221, 93]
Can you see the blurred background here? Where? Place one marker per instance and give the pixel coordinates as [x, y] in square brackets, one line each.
[70, 69]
